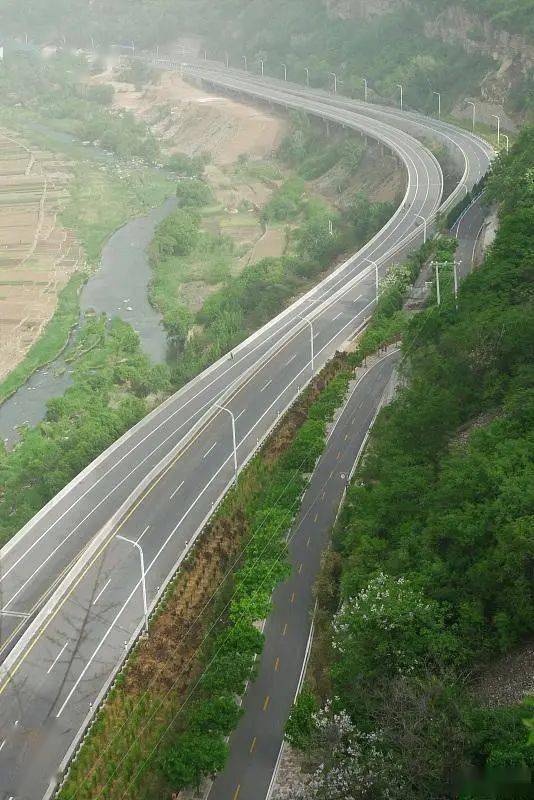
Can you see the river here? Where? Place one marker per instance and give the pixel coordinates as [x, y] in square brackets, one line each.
[119, 288]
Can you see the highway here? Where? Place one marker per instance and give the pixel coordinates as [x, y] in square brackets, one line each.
[71, 590]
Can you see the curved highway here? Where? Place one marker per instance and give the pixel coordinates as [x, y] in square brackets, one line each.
[72, 601]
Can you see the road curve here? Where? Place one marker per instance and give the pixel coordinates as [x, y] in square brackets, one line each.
[60, 655]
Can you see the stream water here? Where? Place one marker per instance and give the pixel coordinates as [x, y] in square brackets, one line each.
[119, 289]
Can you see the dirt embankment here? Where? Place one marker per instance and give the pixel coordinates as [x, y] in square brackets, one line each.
[189, 120]
[37, 257]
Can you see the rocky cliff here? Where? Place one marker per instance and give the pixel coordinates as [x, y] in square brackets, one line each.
[455, 24]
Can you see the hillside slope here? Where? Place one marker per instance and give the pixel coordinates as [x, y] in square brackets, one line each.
[479, 48]
[434, 550]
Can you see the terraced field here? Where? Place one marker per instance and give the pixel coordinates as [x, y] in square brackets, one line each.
[37, 256]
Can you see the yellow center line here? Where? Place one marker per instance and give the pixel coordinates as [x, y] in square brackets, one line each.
[315, 518]
[300, 568]
[253, 745]
[293, 597]
[236, 793]
[266, 703]
[308, 542]
[285, 630]
[276, 664]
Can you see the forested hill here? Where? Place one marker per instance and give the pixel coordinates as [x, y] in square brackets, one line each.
[452, 46]
[434, 551]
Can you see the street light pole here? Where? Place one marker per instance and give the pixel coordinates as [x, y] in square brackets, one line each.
[470, 103]
[505, 136]
[419, 216]
[309, 322]
[365, 89]
[306, 69]
[262, 64]
[498, 128]
[438, 95]
[227, 59]
[246, 63]
[333, 74]
[377, 282]
[223, 408]
[143, 575]
[399, 86]
[285, 71]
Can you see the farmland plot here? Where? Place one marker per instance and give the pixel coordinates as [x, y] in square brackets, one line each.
[37, 256]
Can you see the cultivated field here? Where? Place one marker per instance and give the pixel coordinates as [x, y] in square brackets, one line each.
[37, 257]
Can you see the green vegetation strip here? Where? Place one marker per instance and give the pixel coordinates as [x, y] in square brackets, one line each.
[430, 578]
[51, 342]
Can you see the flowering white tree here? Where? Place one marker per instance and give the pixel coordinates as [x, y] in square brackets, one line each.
[352, 765]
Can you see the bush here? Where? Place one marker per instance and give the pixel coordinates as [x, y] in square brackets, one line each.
[300, 725]
[194, 193]
[187, 166]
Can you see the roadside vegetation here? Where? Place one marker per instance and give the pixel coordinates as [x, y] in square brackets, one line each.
[430, 576]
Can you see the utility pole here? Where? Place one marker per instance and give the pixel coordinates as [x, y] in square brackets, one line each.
[456, 264]
[333, 74]
[496, 116]
[143, 576]
[438, 95]
[438, 292]
[399, 86]
[223, 408]
[284, 66]
[470, 103]
[418, 216]
[309, 322]
[365, 89]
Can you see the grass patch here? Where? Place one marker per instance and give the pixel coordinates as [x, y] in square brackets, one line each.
[104, 199]
[52, 340]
